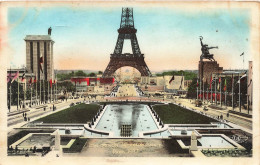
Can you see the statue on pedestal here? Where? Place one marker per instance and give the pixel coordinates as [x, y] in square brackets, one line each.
[205, 51]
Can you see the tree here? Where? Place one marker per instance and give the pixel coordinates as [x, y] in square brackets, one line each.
[192, 89]
[92, 74]
[80, 73]
[100, 72]
[187, 75]
[67, 86]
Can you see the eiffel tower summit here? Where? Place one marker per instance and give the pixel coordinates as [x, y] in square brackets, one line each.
[136, 59]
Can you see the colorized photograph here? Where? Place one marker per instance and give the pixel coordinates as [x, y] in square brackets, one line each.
[129, 80]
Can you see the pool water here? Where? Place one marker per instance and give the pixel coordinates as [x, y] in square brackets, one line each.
[214, 142]
[178, 132]
[222, 125]
[37, 140]
[136, 115]
[72, 132]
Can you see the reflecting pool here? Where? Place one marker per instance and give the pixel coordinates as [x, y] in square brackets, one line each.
[136, 115]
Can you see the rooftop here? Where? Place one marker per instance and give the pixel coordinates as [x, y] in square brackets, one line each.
[38, 37]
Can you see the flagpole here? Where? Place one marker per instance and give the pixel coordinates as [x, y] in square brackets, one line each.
[36, 87]
[211, 88]
[215, 92]
[56, 85]
[197, 89]
[197, 93]
[10, 90]
[239, 94]
[203, 89]
[200, 87]
[225, 91]
[51, 90]
[31, 89]
[43, 89]
[40, 99]
[207, 94]
[220, 92]
[211, 94]
[232, 92]
[43, 79]
[24, 88]
[48, 90]
[18, 98]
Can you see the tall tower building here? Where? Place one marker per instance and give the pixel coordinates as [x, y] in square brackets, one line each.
[40, 47]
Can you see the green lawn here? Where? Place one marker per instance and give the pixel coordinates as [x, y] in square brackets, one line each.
[173, 114]
[81, 113]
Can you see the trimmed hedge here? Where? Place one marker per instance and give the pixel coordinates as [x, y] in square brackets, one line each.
[173, 114]
[77, 146]
[81, 113]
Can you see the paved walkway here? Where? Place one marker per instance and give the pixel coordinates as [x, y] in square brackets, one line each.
[237, 119]
[34, 114]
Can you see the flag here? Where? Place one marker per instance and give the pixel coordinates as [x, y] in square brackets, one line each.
[225, 85]
[54, 82]
[40, 63]
[23, 77]
[15, 76]
[210, 82]
[242, 54]
[242, 78]
[9, 77]
[51, 83]
[219, 80]
[35, 80]
[30, 81]
[171, 79]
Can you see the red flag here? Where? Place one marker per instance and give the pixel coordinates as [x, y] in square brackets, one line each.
[23, 77]
[225, 85]
[9, 77]
[15, 76]
[51, 83]
[219, 80]
[40, 63]
[30, 81]
[35, 80]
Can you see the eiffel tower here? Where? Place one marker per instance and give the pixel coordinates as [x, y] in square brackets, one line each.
[136, 59]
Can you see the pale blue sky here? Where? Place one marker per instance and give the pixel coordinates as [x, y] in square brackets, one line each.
[84, 37]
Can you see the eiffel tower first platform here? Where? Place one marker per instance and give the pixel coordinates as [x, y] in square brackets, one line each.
[117, 59]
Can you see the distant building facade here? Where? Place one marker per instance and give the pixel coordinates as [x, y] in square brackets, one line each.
[40, 47]
[207, 68]
[84, 84]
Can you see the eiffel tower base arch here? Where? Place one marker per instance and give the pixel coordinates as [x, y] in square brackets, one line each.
[118, 61]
